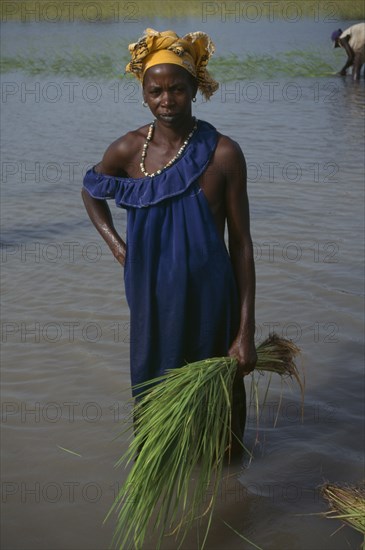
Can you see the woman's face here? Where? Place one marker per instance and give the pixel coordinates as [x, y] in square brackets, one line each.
[168, 91]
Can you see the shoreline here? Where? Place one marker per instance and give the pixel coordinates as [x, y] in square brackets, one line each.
[134, 12]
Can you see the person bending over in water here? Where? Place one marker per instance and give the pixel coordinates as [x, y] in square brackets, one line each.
[353, 41]
[181, 182]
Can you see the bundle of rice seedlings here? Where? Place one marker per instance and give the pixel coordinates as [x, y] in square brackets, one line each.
[182, 430]
[278, 352]
[346, 503]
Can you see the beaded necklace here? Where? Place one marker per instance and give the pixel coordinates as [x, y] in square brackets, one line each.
[174, 159]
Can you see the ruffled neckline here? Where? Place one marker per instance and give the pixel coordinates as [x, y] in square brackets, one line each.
[173, 181]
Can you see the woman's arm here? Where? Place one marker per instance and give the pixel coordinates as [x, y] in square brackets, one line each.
[241, 253]
[99, 213]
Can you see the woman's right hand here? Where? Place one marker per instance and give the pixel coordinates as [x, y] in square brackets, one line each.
[119, 253]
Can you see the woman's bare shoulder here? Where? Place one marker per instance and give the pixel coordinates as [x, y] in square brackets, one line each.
[122, 152]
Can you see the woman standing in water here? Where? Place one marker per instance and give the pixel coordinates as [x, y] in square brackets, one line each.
[181, 182]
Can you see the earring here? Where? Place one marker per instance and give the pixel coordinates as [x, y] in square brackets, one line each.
[194, 99]
[144, 104]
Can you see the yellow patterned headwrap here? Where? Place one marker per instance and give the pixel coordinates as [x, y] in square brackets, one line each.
[192, 52]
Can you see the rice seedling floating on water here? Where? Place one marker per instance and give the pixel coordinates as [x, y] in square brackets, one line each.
[346, 503]
[183, 431]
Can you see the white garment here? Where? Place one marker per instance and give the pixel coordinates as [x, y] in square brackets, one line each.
[357, 37]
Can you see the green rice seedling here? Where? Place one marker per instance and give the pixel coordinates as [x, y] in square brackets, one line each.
[346, 503]
[183, 432]
[243, 537]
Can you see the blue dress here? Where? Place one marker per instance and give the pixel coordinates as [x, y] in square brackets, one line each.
[179, 280]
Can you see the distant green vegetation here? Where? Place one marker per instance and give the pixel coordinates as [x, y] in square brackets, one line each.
[109, 62]
[138, 10]
[225, 68]
[294, 64]
[66, 64]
